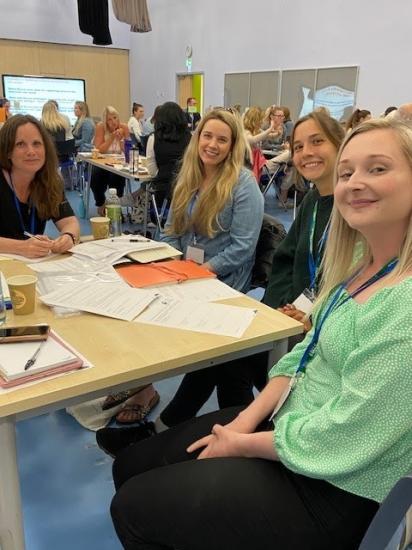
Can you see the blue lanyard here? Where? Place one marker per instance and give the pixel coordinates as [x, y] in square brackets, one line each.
[314, 263]
[32, 213]
[190, 211]
[334, 304]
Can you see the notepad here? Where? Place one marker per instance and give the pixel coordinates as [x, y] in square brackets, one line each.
[161, 273]
[54, 357]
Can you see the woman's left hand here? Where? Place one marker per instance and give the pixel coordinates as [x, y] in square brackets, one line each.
[221, 442]
[62, 244]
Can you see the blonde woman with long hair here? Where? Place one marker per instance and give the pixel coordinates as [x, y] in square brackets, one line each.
[215, 219]
[56, 124]
[109, 138]
[342, 433]
[83, 129]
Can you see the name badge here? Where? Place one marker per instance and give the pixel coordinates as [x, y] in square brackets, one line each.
[196, 254]
[304, 302]
[283, 398]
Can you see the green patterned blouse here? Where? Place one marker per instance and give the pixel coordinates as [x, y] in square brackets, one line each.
[349, 419]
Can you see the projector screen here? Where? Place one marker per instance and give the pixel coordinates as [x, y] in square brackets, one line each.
[28, 94]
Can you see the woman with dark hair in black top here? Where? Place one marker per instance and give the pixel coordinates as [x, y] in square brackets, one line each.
[165, 148]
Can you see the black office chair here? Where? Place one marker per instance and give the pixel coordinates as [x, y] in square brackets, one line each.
[396, 508]
[66, 153]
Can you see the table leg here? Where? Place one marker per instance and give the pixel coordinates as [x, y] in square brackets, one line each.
[11, 521]
[86, 192]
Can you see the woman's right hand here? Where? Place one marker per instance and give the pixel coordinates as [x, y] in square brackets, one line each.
[37, 247]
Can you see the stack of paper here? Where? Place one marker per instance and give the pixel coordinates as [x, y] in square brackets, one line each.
[53, 357]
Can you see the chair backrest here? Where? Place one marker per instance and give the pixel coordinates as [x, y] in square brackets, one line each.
[65, 148]
[396, 506]
[271, 235]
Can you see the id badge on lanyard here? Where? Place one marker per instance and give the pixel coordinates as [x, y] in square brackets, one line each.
[195, 252]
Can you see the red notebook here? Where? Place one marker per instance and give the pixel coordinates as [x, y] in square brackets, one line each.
[163, 273]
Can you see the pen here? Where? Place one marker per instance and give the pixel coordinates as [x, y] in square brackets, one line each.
[130, 240]
[108, 164]
[33, 358]
[27, 234]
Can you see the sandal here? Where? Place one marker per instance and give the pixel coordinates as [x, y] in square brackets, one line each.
[114, 399]
[137, 413]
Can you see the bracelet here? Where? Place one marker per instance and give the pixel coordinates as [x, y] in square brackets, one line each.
[73, 238]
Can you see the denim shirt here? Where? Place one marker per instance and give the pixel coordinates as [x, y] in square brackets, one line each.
[231, 252]
[84, 140]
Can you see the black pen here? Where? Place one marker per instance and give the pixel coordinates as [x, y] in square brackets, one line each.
[33, 358]
[130, 240]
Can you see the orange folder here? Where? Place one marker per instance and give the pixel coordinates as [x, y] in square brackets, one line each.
[163, 273]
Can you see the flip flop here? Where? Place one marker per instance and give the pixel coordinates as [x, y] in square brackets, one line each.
[137, 413]
[114, 399]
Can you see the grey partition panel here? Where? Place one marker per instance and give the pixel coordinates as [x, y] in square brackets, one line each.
[237, 90]
[264, 88]
[297, 91]
[336, 89]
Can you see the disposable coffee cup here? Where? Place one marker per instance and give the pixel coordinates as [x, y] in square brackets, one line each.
[95, 153]
[22, 293]
[100, 227]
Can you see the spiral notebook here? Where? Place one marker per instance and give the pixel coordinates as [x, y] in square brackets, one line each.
[53, 358]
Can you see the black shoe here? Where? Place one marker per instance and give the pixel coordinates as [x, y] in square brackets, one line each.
[113, 440]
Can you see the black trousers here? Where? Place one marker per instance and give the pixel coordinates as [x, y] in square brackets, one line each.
[167, 500]
[102, 180]
[233, 381]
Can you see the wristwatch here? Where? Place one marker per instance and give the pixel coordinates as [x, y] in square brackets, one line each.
[71, 235]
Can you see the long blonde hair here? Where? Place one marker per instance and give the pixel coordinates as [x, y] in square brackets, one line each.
[51, 119]
[343, 241]
[204, 217]
[252, 120]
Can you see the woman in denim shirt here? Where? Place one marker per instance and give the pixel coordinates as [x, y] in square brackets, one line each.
[83, 129]
[217, 208]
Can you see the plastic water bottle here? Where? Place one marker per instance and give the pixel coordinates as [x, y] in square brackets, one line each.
[2, 306]
[114, 212]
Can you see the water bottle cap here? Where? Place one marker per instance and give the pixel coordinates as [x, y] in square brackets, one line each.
[112, 191]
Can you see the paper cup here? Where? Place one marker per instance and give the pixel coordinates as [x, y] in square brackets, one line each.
[23, 293]
[100, 227]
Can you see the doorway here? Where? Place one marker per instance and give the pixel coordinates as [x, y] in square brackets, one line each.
[189, 85]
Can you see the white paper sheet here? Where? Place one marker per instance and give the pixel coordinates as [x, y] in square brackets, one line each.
[114, 248]
[203, 290]
[25, 259]
[218, 319]
[111, 300]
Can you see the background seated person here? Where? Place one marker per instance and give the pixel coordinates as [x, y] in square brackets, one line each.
[83, 129]
[165, 149]
[31, 191]
[252, 123]
[109, 138]
[135, 126]
[313, 478]
[275, 141]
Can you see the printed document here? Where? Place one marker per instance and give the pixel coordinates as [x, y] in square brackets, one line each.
[198, 316]
[111, 300]
[202, 290]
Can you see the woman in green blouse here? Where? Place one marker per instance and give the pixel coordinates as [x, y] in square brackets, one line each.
[313, 478]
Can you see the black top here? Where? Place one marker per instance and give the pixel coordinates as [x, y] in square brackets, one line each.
[290, 268]
[11, 226]
[192, 119]
[168, 155]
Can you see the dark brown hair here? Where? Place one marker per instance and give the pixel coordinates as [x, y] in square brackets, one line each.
[356, 118]
[46, 189]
